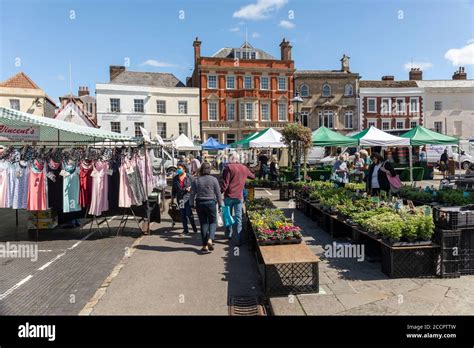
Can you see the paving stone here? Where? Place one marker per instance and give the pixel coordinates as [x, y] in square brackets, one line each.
[317, 304]
[430, 292]
[362, 285]
[324, 279]
[409, 304]
[399, 286]
[355, 300]
[370, 309]
[281, 306]
[452, 306]
[464, 282]
[461, 295]
[341, 287]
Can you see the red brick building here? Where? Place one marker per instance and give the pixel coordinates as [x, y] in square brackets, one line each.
[243, 90]
[393, 106]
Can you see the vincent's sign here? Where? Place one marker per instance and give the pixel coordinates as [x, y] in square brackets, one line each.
[19, 132]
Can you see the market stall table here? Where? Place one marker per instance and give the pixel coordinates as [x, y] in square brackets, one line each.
[289, 268]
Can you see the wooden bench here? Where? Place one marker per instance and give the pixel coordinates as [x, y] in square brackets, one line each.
[289, 269]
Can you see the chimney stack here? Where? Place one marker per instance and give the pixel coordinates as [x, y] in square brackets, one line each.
[83, 90]
[197, 50]
[415, 74]
[115, 70]
[460, 74]
[388, 78]
[285, 50]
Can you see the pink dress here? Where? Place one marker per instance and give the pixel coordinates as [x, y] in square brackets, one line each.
[4, 182]
[125, 192]
[100, 189]
[146, 172]
[37, 194]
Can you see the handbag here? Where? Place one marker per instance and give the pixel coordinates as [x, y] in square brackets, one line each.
[174, 213]
[220, 221]
[227, 216]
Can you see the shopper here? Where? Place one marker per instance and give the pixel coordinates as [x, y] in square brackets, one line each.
[340, 171]
[181, 190]
[184, 161]
[274, 169]
[377, 178]
[233, 181]
[195, 165]
[365, 156]
[443, 163]
[263, 160]
[205, 194]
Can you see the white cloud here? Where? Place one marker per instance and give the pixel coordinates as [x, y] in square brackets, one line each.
[262, 9]
[158, 64]
[420, 65]
[236, 29]
[286, 24]
[461, 56]
[470, 41]
[255, 35]
[60, 77]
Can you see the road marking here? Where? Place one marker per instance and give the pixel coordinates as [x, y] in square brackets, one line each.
[14, 287]
[268, 192]
[47, 264]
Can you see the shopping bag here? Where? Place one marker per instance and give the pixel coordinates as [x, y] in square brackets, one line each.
[394, 181]
[227, 216]
[220, 221]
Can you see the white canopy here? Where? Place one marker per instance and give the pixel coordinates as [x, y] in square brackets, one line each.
[269, 138]
[183, 143]
[376, 137]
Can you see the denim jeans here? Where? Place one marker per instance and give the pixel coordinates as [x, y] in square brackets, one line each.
[187, 213]
[207, 214]
[235, 206]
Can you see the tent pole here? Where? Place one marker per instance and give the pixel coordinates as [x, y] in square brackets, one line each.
[410, 156]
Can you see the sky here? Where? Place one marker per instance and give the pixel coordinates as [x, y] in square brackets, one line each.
[44, 38]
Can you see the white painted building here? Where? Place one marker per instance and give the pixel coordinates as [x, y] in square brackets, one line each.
[156, 101]
[449, 106]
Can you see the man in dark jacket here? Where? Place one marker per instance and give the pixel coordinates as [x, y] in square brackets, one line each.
[377, 177]
[233, 181]
[181, 190]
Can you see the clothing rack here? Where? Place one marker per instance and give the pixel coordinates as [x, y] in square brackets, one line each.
[106, 143]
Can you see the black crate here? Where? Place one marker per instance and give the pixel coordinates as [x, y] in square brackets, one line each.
[466, 255]
[291, 278]
[452, 218]
[450, 243]
[409, 262]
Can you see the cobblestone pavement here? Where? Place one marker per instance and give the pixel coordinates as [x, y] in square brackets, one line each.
[349, 287]
[71, 264]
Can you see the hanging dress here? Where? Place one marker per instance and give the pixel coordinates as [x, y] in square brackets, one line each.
[135, 181]
[70, 188]
[20, 196]
[4, 183]
[37, 196]
[55, 187]
[99, 201]
[126, 199]
[85, 183]
[11, 183]
[114, 184]
[146, 173]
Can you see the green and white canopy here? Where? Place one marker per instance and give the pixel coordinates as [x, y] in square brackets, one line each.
[244, 143]
[375, 137]
[17, 126]
[422, 136]
[323, 136]
[268, 138]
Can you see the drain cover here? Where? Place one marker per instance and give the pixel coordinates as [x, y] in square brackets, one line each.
[246, 306]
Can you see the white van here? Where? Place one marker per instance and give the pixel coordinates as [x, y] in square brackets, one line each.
[434, 153]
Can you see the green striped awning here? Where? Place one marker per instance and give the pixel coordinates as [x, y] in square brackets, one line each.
[53, 130]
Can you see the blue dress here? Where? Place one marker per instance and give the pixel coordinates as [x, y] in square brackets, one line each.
[71, 188]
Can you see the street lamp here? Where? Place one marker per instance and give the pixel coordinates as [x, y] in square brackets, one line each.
[297, 100]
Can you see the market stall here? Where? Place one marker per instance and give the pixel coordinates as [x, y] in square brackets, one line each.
[212, 144]
[268, 139]
[55, 168]
[323, 136]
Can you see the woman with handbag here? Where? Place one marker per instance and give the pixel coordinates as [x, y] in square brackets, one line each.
[181, 190]
[379, 171]
[205, 193]
[340, 171]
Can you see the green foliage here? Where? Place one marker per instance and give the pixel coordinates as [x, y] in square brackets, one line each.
[297, 132]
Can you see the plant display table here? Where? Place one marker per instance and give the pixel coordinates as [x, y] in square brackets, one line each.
[288, 269]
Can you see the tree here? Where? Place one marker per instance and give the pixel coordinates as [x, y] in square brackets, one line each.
[295, 135]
